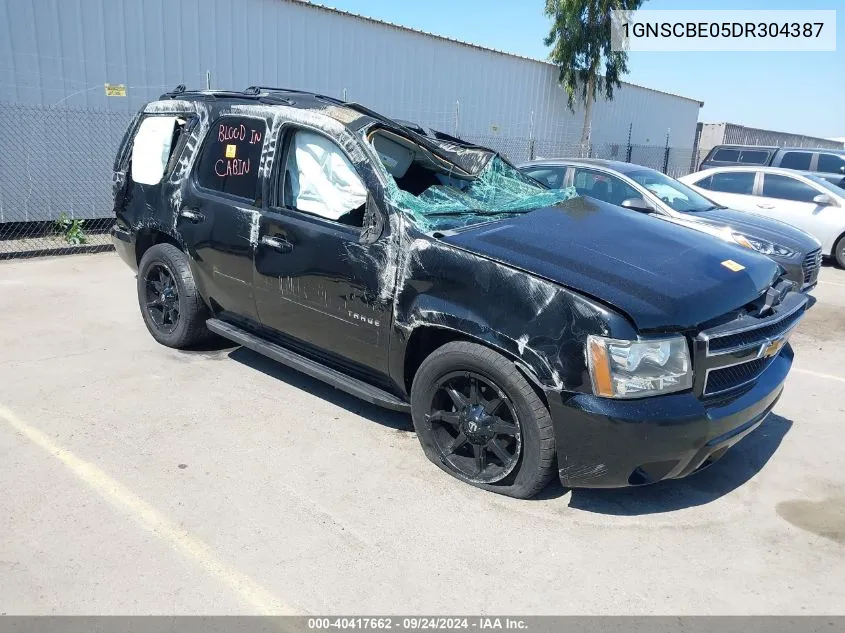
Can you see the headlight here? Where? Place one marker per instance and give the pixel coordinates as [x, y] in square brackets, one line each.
[762, 246]
[634, 369]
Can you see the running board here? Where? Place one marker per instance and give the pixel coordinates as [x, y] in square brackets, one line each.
[336, 379]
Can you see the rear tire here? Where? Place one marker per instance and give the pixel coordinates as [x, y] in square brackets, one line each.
[839, 252]
[170, 303]
[478, 419]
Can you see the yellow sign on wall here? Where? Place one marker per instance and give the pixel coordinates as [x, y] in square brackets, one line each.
[115, 90]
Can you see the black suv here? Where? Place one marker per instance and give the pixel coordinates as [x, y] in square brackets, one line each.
[431, 276]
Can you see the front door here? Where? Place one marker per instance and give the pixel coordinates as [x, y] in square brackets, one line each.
[219, 212]
[317, 285]
[790, 200]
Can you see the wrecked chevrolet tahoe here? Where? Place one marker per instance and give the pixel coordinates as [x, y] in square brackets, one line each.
[432, 277]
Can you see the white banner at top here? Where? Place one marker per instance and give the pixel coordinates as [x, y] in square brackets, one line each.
[723, 30]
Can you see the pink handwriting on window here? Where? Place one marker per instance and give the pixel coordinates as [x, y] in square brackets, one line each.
[232, 167]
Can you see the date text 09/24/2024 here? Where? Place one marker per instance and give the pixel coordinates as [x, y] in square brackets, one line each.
[416, 623]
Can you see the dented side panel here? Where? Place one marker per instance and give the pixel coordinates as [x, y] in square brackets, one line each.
[541, 325]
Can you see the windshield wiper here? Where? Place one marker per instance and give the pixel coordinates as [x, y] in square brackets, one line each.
[712, 207]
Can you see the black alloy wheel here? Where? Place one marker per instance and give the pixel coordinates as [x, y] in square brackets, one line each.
[474, 427]
[162, 297]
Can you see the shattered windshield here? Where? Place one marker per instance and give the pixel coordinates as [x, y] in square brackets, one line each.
[499, 191]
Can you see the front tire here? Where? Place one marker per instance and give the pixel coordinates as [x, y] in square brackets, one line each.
[170, 303]
[839, 252]
[478, 419]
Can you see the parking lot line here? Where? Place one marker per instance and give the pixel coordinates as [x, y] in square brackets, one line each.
[151, 519]
[831, 283]
[818, 374]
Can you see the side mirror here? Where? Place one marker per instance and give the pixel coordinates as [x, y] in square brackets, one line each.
[636, 204]
[823, 200]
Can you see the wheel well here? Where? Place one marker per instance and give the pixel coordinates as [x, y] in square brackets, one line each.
[148, 238]
[425, 339]
[835, 244]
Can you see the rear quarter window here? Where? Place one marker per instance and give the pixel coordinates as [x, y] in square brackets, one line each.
[704, 183]
[155, 146]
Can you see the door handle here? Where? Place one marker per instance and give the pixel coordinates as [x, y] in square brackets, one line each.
[279, 244]
[194, 216]
[766, 206]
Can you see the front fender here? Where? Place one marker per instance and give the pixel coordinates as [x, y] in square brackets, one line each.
[540, 324]
[430, 312]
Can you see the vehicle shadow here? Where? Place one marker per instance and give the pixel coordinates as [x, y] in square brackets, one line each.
[391, 419]
[735, 468]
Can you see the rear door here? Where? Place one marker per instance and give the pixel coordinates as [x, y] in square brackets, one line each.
[319, 284]
[219, 212]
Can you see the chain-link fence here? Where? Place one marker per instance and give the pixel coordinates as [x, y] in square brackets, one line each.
[55, 189]
[56, 166]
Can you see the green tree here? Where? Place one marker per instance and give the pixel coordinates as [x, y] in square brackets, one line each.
[580, 40]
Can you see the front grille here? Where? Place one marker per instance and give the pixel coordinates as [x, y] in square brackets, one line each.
[810, 266]
[726, 378]
[756, 336]
[736, 353]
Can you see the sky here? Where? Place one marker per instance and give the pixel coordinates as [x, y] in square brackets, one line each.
[801, 93]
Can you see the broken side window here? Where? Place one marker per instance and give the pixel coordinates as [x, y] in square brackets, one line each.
[438, 195]
[151, 149]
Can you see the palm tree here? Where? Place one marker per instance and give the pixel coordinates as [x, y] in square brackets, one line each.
[580, 37]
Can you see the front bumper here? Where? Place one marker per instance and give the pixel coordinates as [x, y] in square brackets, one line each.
[804, 272]
[605, 443]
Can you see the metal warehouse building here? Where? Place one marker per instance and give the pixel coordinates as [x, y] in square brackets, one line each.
[59, 128]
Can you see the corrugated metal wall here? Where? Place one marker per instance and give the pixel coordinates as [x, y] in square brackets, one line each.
[60, 53]
[730, 133]
[741, 135]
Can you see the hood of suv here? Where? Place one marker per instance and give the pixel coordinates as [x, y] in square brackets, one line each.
[759, 226]
[663, 276]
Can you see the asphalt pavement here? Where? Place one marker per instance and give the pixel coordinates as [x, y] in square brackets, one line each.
[142, 480]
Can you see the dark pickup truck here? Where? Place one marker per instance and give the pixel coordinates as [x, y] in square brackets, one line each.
[431, 276]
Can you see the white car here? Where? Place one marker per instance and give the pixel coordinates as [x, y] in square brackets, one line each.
[803, 200]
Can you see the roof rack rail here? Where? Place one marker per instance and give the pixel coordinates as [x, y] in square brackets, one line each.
[255, 90]
[181, 90]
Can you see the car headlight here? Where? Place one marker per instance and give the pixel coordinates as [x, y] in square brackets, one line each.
[634, 369]
[762, 246]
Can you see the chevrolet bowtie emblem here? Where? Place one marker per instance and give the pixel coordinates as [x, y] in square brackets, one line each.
[773, 347]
